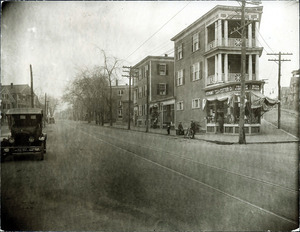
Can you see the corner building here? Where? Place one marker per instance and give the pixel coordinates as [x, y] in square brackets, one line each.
[208, 71]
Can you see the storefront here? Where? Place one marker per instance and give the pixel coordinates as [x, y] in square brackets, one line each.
[162, 114]
[223, 109]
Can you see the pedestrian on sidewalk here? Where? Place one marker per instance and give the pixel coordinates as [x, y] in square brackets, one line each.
[168, 128]
[193, 129]
[180, 129]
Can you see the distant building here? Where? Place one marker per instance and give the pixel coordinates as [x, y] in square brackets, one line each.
[124, 105]
[290, 95]
[159, 71]
[208, 71]
[16, 96]
[117, 93]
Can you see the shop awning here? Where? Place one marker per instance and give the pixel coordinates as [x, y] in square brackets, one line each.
[257, 99]
[220, 97]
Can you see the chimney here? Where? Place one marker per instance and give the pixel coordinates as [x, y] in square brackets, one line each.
[116, 82]
[166, 55]
[11, 85]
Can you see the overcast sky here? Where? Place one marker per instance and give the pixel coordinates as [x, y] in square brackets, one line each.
[58, 38]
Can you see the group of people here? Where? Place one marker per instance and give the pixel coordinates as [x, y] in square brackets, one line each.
[190, 131]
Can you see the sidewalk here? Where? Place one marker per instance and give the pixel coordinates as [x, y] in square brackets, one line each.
[269, 134]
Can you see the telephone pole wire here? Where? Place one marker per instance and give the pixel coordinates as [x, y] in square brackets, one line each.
[279, 75]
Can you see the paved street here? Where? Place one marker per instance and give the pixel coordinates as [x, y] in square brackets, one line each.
[101, 178]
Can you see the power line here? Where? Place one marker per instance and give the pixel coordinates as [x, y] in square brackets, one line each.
[158, 30]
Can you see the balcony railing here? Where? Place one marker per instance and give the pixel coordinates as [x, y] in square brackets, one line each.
[232, 77]
[232, 42]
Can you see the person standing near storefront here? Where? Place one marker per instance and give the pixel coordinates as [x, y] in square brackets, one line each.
[221, 123]
[193, 129]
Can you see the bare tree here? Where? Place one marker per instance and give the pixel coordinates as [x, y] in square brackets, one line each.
[87, 93]
[110, 67]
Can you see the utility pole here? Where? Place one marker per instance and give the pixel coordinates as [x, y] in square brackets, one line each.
[129, 68]
[32, 95]
[45, 110]
[279, 75]
[242, 137]
[147, 102]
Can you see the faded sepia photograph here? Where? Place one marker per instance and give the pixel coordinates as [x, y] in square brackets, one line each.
[150, 115]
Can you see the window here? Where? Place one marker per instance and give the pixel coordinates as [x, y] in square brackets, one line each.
[180, 105]
[162, 69]
[195, 72]
[140, 74]
[162, 89]
[120, 92]
[195, 42]
[120, 113]
[196, 103]
[140, 110]
[146, 71]
[180, 52]
[120, 103]
[140, 92]
[180, 77]
[145, 90]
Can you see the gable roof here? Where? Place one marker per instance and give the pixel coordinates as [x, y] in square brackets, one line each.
[23, 89]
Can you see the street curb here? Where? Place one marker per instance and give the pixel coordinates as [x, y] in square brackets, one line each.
[219, 142]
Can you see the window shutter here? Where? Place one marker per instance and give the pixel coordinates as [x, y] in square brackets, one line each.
[199, 40]
[182, 50]
[201, 70]
[157, 89]
[192, 43]
[167, 89]
[191, 73]
[167, 70]
[176, 78]
[157, 69]
[183, 78]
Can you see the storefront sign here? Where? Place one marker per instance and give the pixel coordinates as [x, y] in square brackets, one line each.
[232, 88]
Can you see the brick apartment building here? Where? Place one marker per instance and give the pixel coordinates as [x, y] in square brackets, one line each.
[159, 71]
[208, 70]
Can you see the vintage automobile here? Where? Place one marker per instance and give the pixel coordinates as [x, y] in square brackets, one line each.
[26, 136]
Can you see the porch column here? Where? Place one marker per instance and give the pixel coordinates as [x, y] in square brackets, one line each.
[206, 38]
[216, 34]
[219, 32]
[219, 67]
[216, 68]
[250, 67]
[256, 34]
[226, 32]
[205, 72]
[226, 67]
[250, 35]
[257, 67]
